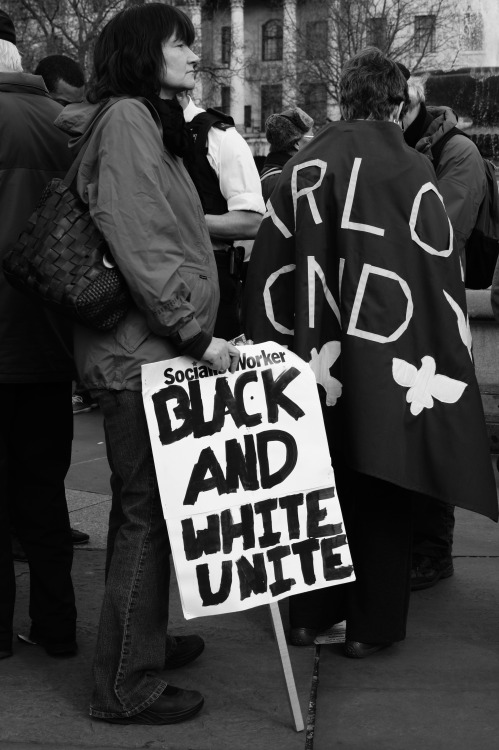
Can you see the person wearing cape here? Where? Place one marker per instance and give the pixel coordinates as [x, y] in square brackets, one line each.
[354, 269]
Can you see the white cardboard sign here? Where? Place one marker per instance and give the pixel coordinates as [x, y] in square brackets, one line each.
[245, 478]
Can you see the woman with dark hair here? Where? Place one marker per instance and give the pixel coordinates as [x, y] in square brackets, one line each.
[144, 203]
[355, 271]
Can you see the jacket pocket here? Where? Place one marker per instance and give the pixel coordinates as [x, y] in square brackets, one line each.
[204, 296]
[132, 331]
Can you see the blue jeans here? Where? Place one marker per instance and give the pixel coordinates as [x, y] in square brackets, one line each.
[132, 641]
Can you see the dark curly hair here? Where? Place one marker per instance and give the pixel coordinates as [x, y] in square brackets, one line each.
[128, 56]
[370, 86]
[60, 67]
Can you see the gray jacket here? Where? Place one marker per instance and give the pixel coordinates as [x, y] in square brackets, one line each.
[144, 203]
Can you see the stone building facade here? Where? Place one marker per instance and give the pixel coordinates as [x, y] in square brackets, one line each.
[259, 56]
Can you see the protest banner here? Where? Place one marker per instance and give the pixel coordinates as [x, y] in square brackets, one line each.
[245, 479]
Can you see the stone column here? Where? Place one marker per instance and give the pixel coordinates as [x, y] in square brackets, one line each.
[194, 7]
[289, 93]
[237, 63]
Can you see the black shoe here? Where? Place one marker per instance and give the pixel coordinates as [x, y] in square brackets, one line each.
[358, 650]
[5, 653]
[79, 537]
[172, 706]
[303, 636]
[428, 571]
[187, 648]
[53, 648]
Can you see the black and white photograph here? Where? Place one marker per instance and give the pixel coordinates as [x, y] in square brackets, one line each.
[249, 374]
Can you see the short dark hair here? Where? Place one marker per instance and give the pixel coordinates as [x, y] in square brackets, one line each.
[128, 55]
[56, 67]
[370, 86]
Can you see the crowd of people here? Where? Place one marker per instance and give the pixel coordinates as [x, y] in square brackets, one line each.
[359, 242]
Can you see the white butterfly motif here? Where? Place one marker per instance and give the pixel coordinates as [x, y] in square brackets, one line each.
[321, 364]
[425, 385]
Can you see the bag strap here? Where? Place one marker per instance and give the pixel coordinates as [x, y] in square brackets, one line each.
[73, 170]
[436, 150]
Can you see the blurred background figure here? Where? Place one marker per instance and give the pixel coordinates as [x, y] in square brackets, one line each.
[462, 183]
[286, 132]
[36, 373]
[63, 78]
[65, 82]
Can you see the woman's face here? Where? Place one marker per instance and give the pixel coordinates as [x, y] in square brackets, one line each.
[179, 68]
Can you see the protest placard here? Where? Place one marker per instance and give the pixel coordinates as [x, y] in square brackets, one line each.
[245, 479]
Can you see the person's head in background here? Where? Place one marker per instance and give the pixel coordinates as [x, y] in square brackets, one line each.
[10, 59]
[289, 130]
[63, 78]
[372, 87]
[416, 87]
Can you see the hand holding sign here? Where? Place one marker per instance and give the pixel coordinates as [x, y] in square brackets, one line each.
[221, 355]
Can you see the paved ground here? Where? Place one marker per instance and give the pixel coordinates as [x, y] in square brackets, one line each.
[438, 690]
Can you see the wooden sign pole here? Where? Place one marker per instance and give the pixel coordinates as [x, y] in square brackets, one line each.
[287, 669]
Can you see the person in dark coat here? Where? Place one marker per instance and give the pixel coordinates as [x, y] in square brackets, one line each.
[286, 132]
[36, 372]
[355, 270]
[462, 182]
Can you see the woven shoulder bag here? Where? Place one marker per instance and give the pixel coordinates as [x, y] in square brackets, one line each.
[62, 259]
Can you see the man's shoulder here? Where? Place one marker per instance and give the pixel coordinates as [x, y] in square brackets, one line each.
[461, 150]
[462, 144]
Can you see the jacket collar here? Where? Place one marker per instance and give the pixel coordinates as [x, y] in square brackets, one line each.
[432, 124]
[277, 158]
[23, 83]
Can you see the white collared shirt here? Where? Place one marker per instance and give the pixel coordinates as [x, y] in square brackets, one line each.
[230, 157]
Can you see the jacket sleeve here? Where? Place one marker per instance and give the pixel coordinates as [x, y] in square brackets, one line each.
[128, 202]
[462, 183]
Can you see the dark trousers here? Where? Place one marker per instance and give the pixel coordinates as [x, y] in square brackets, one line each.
[228, 323]
[36, 432]
[378, 522]
[433, 528]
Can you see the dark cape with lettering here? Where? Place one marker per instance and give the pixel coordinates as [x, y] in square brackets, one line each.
[354, 270]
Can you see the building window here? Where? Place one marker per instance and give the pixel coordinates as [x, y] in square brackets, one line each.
[472, 31]
[316, 40]
[271, 101]
[225, 94]
[424, 34]
[247, 116]
[226, 44]
[376, 35]
[272, 41]
[315, 103]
